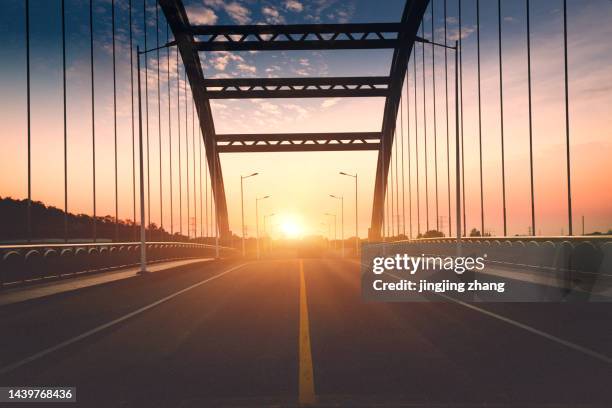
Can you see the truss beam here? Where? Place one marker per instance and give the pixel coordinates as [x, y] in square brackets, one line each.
[297, 87]
[297, 37]
[298, 142]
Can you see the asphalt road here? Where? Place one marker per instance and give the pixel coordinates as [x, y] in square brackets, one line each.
[274, 333]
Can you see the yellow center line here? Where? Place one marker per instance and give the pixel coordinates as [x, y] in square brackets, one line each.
[306, 379]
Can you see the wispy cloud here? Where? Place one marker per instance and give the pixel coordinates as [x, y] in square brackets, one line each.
[294, 5]
[272, 15]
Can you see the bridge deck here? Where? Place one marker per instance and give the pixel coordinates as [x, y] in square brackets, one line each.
[235, 340]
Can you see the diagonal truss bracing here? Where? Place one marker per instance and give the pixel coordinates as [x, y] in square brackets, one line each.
[297, 87]
[298, 142]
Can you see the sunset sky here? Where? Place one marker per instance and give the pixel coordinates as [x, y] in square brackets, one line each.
[300, 183]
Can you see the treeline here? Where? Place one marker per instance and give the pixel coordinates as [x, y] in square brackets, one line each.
[48, 224]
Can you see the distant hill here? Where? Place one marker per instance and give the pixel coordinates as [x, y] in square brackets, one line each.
[48, 224]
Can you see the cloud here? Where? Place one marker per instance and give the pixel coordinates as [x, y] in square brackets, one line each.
[272, 15]
[247, 68]
[201, 15]
[235, 10]
[328, 103]
[294, 5]
[238, 13]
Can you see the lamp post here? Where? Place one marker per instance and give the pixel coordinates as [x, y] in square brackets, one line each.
[457, 150]
[335, 228]
[356, 213]
[242, 209]
[341, 198]
[143, 237]
[257, 220]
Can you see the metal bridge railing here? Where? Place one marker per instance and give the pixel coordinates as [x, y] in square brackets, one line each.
[35, 262]
[574, 260]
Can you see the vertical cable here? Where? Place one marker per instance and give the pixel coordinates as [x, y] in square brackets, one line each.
[416, 145]
[402, 158]
[482, 224]
[146, 69]
[205, 187]
[435, 127]
[533, 227]
[501, 103]
[448, 191]
[132, 120]
[178, 116]
[170, 133]
[159, 133]
[193, 139]
[567, 125]
[408, 150]
[93, 116]
[187, 152]
[397, 218]
[115, 122]
[29, 125]
[65, 121]
[200, 163]
[461, 115]
[425, 132]
[391, 188]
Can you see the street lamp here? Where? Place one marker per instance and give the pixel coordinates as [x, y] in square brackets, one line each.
[356, 213]
[341, 198]
[335, 229]
[242, 209]
[257, 220]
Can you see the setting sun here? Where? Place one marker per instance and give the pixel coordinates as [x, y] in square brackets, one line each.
[291, 228]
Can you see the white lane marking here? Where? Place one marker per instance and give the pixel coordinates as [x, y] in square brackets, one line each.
[525, 327]
[98, 329]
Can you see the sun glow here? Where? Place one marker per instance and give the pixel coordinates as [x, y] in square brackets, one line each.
[291, 228]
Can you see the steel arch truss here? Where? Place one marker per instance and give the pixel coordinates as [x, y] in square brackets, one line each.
[192, 39]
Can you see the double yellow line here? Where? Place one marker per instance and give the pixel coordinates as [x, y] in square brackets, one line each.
[306, 377]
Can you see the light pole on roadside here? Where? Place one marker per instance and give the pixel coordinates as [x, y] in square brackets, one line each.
[257, 220]
[341, 198]
[356, 212]
[242, 209]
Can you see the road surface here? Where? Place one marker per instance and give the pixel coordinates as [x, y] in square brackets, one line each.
[285, 332]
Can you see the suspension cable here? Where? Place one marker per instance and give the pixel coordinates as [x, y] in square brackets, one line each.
[29, 114]
[146, 58]
[567, 124]
[402, 158]
[416, 146]
[482, 223]
[408, 149]
[93, 116]
[132, 121]
[435, 127]
[425, 131]
[65, 121]
[115, 121]
[178, 116]
[159, 132]
[501, 103]
[187, 152]
[533, 227]
[448, 191]
[170, 134]
[461, 116]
